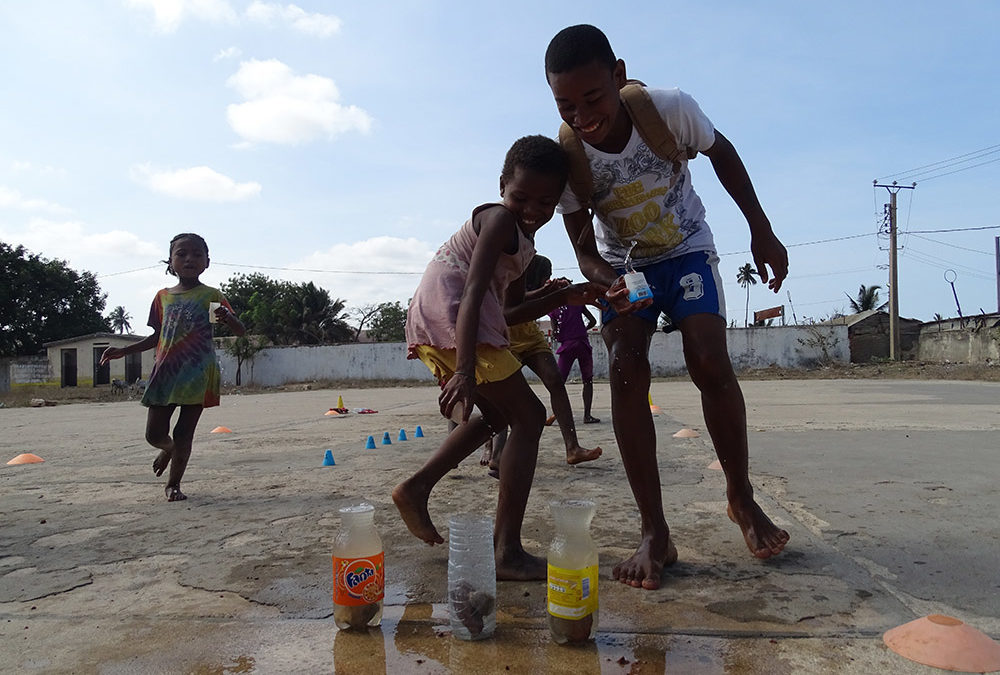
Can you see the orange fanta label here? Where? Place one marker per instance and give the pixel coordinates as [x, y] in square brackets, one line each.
[358, 581]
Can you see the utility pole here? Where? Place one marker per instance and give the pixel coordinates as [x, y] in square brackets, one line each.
[996, 244]
[894, 342]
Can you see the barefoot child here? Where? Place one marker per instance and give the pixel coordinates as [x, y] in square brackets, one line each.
[185, 373]
[528, 344]
[456, 325]
[644, 208]
[574, 346]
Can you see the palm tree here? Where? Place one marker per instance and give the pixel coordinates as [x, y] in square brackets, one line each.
[747, 277]
[119, 319]
[867, 299]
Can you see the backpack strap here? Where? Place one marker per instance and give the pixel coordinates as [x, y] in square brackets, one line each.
[581, 180]
[650, 125]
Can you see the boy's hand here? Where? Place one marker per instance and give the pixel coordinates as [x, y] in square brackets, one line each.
[112, 353]
[617, 297]
[767, 250]
[586, 293]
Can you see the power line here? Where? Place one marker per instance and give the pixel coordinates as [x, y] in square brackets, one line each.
[944, 243]
[937, 166]
[956, 229]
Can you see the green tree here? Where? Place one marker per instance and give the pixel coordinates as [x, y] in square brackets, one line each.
[389, 323]
[245, 348]
[44, 300]
[119, 319]
[286, 313]
[747, 277]
[867, 299]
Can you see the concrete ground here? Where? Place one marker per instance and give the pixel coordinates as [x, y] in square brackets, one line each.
[888, 489]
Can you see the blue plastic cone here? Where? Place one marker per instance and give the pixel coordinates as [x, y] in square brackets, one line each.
[402, 434]
[328, 460]
[386, 440]
[370, 445]
[419, 433]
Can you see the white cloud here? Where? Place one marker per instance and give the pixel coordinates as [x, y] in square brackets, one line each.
[316, 24]
[365, 272]
[169, 14]
[13, 199]
[282, 107]
[228, 53]
[40, 169]
[199, 183]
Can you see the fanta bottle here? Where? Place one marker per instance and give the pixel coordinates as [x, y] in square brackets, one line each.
[358, 569]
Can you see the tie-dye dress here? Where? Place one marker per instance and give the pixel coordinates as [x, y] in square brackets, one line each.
[185, 371]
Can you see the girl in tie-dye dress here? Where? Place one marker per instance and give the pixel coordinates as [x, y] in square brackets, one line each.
[185, 373]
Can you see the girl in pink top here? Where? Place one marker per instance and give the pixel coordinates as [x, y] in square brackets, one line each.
[457, 325]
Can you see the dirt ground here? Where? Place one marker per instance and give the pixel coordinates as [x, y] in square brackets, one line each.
[884, 370]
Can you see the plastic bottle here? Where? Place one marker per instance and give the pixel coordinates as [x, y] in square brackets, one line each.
[472, 577]
[635, 282]
[572, 575]
[358, 569]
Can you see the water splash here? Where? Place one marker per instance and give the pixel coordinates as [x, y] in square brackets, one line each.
[629, 266]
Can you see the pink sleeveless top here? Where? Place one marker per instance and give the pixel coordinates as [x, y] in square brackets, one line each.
[433, 310]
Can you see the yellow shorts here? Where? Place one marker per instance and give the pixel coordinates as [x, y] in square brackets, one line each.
[493, 364]
[527, 339]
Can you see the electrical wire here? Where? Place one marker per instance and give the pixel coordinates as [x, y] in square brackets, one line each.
[945, 164]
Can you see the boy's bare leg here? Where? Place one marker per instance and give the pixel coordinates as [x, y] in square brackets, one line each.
[187, 422]
[588, 402]
[627, 338]
[722, 401]
[499, 440]
[526, 417]
[158, 435]
[545, 366]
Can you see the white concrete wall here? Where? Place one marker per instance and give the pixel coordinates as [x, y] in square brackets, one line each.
[784, 346]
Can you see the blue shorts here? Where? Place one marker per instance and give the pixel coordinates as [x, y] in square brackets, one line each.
[682, 286]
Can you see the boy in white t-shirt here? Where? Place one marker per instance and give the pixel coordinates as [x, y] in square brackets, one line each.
[645, 206]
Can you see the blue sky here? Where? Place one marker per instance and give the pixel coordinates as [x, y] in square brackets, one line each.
[343, 142]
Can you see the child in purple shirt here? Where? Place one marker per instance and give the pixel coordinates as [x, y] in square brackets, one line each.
[574, 345]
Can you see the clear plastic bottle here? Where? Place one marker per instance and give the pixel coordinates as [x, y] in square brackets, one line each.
[572, 575]
[472, 577]
[358, 569]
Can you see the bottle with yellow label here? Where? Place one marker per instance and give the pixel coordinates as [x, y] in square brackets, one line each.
[358, 569]
[572, 575]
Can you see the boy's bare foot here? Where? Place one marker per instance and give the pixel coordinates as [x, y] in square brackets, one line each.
[643, 569]
[590, 419]
[487, 454]
[412, 505]
[581, 454]
[550, 420]
[494, 472]
[174, 493]
[520, 566]
[161, 462]
[763, 538]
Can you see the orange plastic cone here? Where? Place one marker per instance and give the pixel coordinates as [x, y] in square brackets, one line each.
[222, 430]
[687, 433]
[331, 413]
[653, 408]
[944, 642]
[26, 458]
[715, 466]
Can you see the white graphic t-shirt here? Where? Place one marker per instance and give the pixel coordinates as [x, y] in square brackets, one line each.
[633, 198]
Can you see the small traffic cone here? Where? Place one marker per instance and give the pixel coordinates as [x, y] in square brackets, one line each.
[653, 408]
[385, 439]
[331, 413]
[715, 466]
[370, 445]
[222, 430]
[419, 433]
[26, 458]
[687, 433]
[402, 434]
[944, 642]
[328, 459]
[340, 401]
